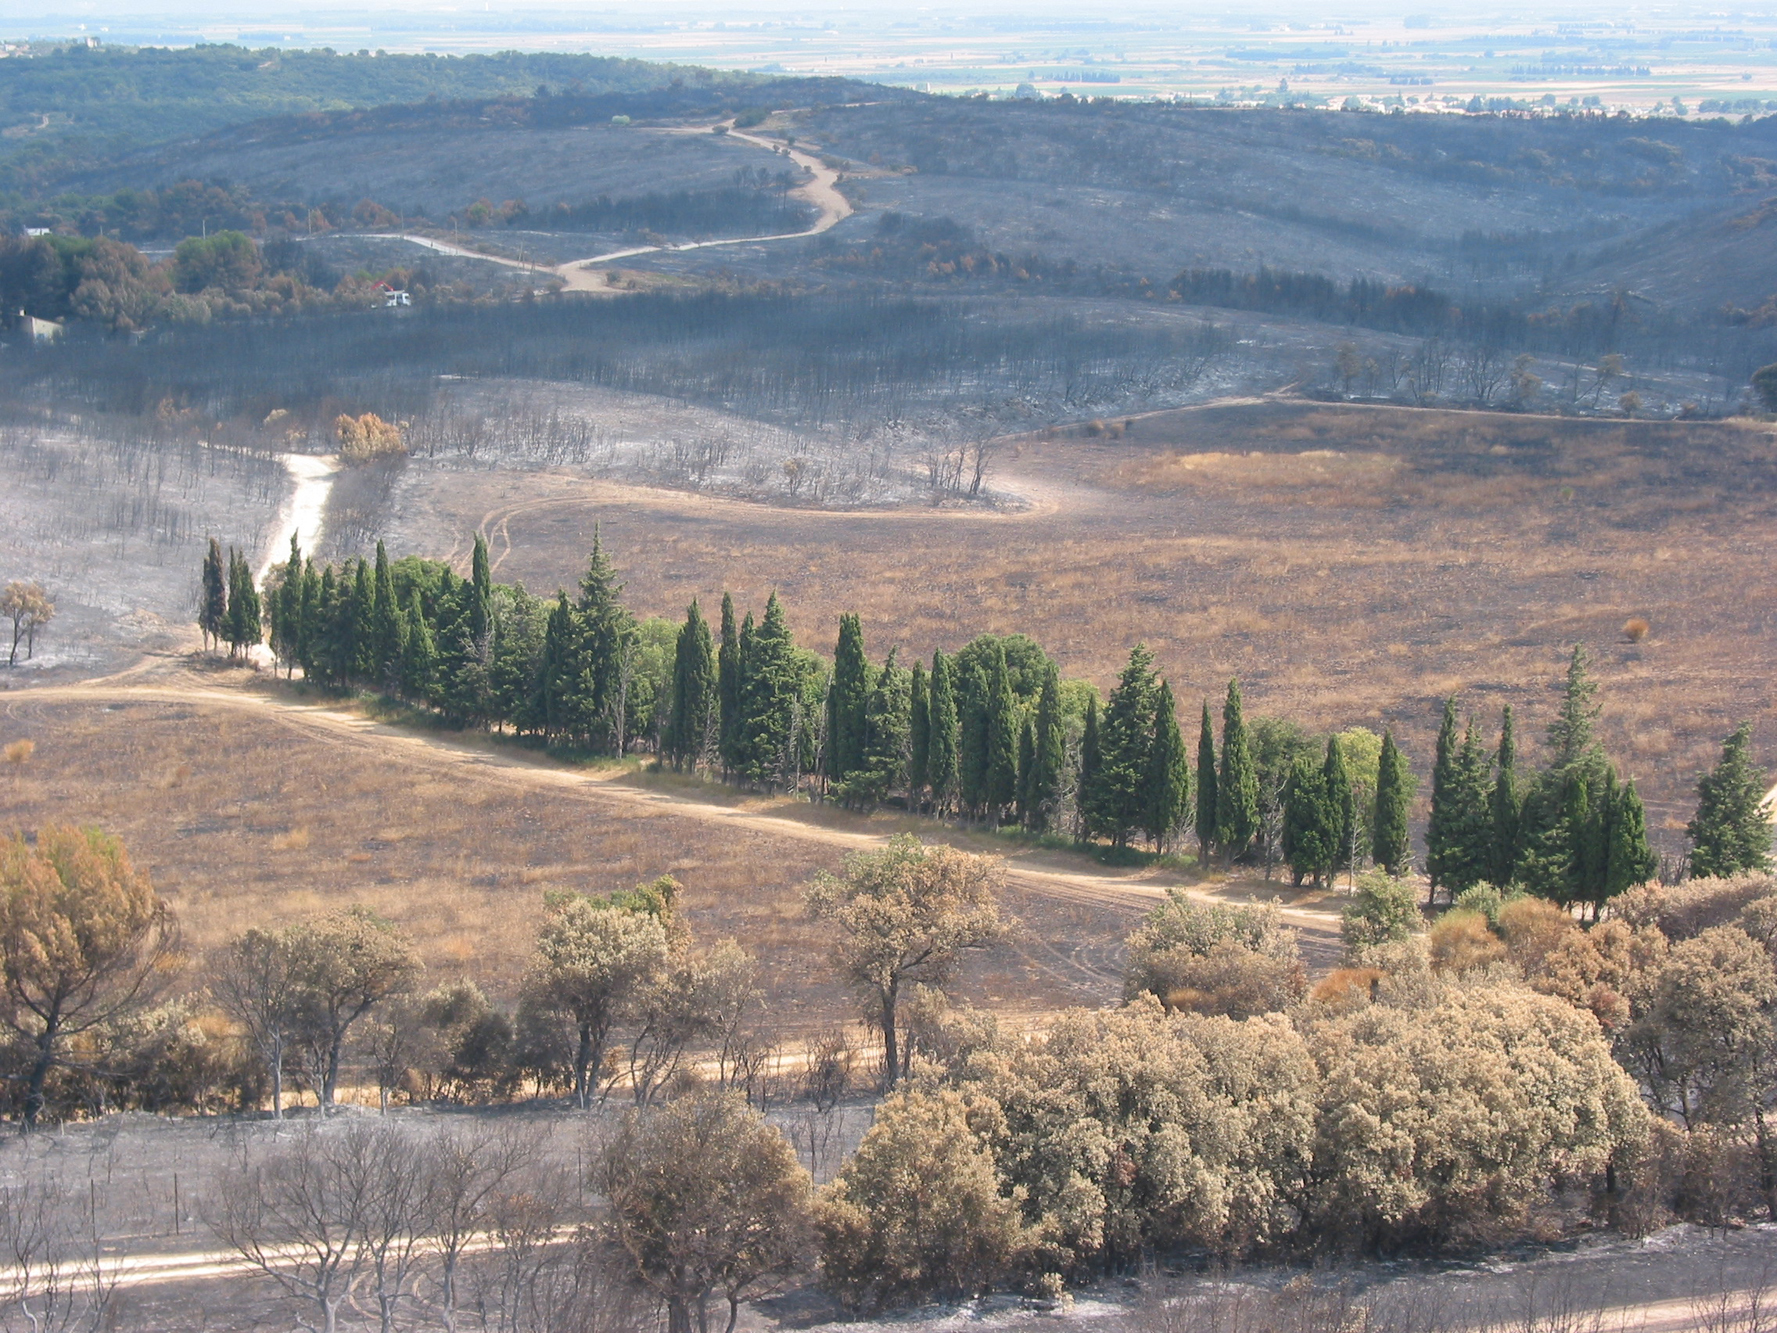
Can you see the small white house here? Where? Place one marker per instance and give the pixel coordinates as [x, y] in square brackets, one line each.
[393, 298]
[41, 330]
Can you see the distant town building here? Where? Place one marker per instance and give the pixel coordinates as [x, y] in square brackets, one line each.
[40, 330]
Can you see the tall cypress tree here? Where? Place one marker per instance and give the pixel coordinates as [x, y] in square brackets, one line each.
[1391, 847]
[363, 665]
[312, 628]
[1503, 804]
[882, 759]
[974, 755]
[1117, 802]
[1168, 783]
[695, 706]
[558, 672]
[1237, 785]
[1048, 754]
[481, 598]
[1341, 807]
[1441, 831]
[1471, 831]
[385, 625]
[770, 698]
[1570, 734]
[919, 738]
[1206, 788]
[419, 655]
[1629, 861]
[1091, 764]
[1310, 835]
[1000, 789]
[212, 605]
[286, 609]
[242, 621]
[1729, 833]
[1589, 833]
[728, 682]
[943, 749]
[608, 636]
[847, 695]
[1027, 768]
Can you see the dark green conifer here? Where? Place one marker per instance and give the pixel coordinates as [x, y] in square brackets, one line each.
[1000, 788]
[481, 584]
[286, 612]
[1116, 804]
[1167, 789]
[312, 629]
[1503, 807]
[696, 709]
[919, 763]
[1730, 833]
[243, 615]
[1206, 788]
[770, 698]
[1391, 846]
[973, 757]
[943, 756]
[212, 605]
[1570, 734]
[1027, 767]
[1310, 823]
[882, 762]
[1340, 808]
[847, 695]
[1630, 861]
[385, 625]
[728, 680]
[363, 665]
[1091, 764]
[1442, 837]
[1237, 784]
[419, 655]
[1049, 754]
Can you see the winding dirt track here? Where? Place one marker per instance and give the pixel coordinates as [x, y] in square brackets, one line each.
[578, 275]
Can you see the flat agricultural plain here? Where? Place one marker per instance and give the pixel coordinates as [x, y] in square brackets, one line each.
[1352, 565]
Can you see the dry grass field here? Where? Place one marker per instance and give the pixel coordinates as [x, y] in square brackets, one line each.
[251, 813]
[1352, 565]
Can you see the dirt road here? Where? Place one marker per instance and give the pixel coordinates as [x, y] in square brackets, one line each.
[579, 275]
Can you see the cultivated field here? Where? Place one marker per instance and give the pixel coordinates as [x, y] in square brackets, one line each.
[1351, 565]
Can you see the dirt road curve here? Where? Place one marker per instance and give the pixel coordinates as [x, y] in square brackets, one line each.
[1042, 874]
[578, 275]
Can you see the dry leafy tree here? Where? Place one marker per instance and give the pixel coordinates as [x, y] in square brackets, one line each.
[1215, 959]
[346, 963]
[918, 1211]
[1141, 1130]
[258, 982]
[28, 607]
[707, 1199]
[1450, 1116]
[903, 914]
[84, 942]
[700, 997]
[595, 958]
[366, 438]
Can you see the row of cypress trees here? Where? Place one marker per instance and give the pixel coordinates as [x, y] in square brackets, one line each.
[228, 601]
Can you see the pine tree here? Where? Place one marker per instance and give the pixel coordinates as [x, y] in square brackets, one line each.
[1730, 833]
[770, 698]
[945, 743]
[1000, 788]
[974, 755]
[1049, 754]
[847, 696]
[1503, 807]
[1167, 788]
[212, 606]
[1117, 802]
[1391, 847]
[1340, 807]
[608, 637]
[1441, 831]
[919, 762]
[728, 682]
[1206, 788]
[694, 698]
[1091, 763]
[419, 655]
[1570, 734]
[385, 625]
[1237, 785]
[1630, 861]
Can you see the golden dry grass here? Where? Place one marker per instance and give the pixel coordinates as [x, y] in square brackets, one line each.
[1351, 565]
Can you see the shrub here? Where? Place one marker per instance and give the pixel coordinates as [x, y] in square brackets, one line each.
[367, 438]
[918, 1211]
[1383, 910]
[1463, 942]
[1486, 900]
[1215, 959]
[1635, 629]
[18, 753]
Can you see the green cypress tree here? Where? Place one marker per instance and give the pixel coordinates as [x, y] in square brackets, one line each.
[1168, 784]
[1237, 785]
[242, 618]
[1091, 765]
[608, 636]
[943, 749]
[1340, 806]
[481, 581]
[1590, 866]
[419, 655]
[1118, 802]
[1000, 789]
[972, 708]
[919, 761]
[770, 698]
[558, 673]
[1310, 820]
[1027, 769]
[1391, 847]
[1206, 788]
[847, 696]
[1630, 861]
[311, 628]
[286, 612]
[385, 625]
[882, 761]
[517, 654]
[1442, 830]
[728, 679]
[1570, 734]
[1048, 754]
[695, 706]
[363, 664]
[1471, 830]
[212, 605]
[1580, 826]
[1503, 803]
[330, 627]
[1730, 833]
